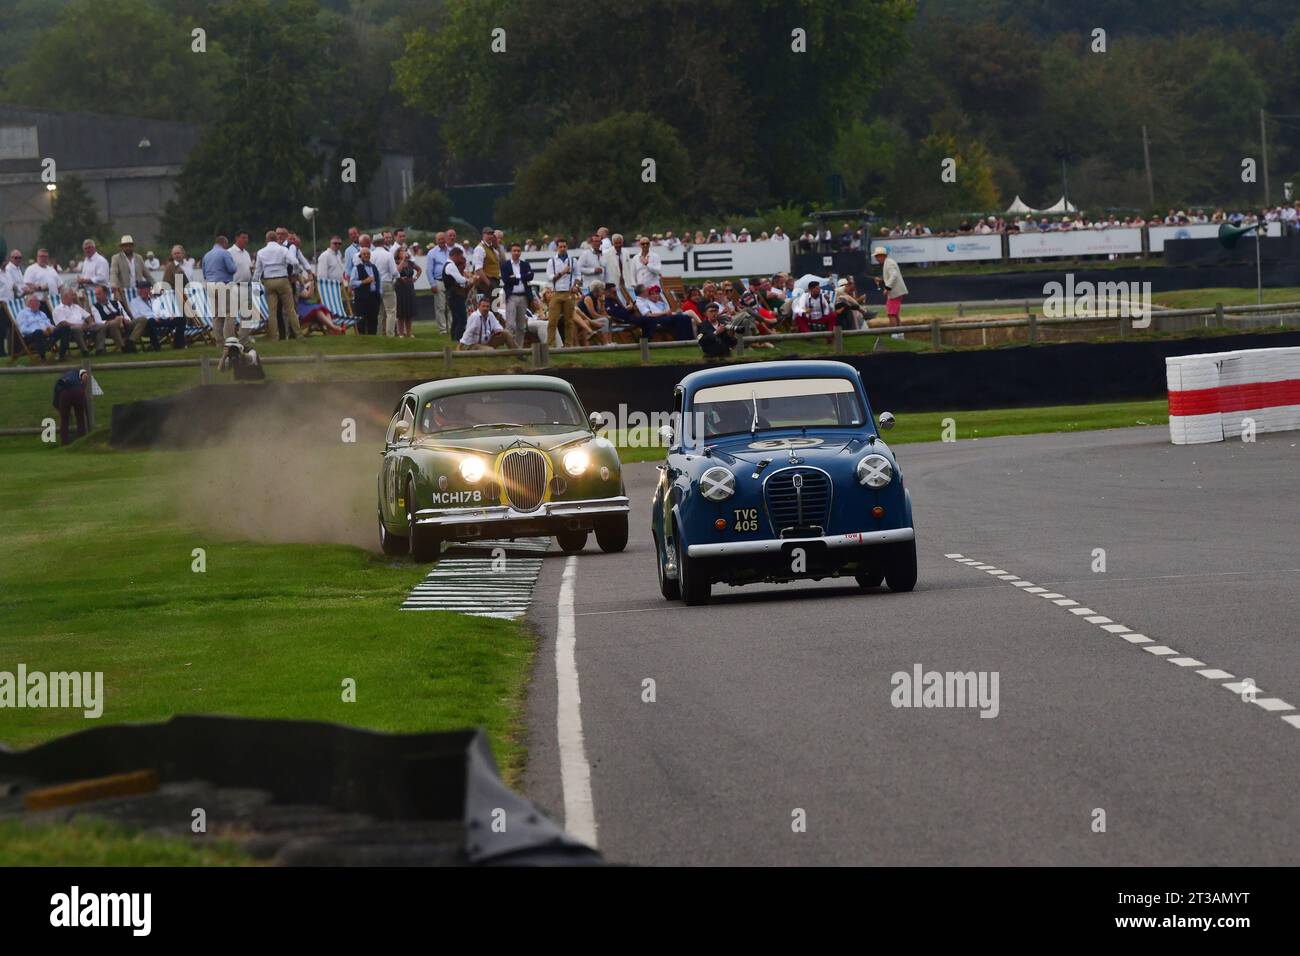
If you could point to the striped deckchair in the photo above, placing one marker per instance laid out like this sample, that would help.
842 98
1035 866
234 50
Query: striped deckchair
199 325
16 344
330 292
260 323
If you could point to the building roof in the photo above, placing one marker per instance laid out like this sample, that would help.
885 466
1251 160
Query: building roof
95 140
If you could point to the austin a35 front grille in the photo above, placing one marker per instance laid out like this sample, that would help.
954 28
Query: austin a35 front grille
798 498
523 476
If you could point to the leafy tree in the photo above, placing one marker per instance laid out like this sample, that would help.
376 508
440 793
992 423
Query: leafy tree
74 218
756 124
117 56
569 185
255 166
425 208
919 188
864 155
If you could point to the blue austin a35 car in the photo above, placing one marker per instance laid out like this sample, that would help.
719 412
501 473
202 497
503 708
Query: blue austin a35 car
775 472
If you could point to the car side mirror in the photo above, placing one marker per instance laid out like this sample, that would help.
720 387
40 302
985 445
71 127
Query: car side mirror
886 421
597 421
402 431
667 435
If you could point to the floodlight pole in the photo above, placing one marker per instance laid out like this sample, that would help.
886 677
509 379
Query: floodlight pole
1259 280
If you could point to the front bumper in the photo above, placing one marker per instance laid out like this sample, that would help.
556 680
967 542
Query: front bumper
853 539
503 520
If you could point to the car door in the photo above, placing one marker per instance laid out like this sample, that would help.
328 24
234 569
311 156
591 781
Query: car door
394 453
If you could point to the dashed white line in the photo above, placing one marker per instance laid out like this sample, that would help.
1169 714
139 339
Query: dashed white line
1246 689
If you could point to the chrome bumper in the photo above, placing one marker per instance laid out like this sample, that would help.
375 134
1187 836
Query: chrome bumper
853 539
547 509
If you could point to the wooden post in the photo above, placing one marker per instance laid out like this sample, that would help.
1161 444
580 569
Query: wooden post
961 313
740 346
645 350
1033 328
446 358
205 371
837 337
90 399
320 366
1027 312
544 349
936 335
1218 314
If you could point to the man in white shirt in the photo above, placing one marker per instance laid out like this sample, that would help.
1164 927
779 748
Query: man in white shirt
383 261
618 273
329 265
647 269
12 279
94 267
605 242
272 270
562 270
890 281
484 330
69 315
813 308
590 267
42 279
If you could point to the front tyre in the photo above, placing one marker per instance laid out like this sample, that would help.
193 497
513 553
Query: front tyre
667 586
692 580
900 571
571 542
611 534
391 544
425 545
871 579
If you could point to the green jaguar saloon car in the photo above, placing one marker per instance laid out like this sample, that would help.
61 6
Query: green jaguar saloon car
497 457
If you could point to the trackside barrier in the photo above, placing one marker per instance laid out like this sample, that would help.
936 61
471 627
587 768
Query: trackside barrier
1218 395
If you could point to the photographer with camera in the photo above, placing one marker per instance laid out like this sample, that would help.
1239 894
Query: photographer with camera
716 337
242 361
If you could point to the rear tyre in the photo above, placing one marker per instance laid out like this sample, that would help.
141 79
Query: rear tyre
611 534
900 572
391 544
667 586
425 545
692 580
871 579
571 542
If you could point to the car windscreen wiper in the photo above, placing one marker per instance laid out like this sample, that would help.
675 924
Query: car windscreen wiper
753 426
498 425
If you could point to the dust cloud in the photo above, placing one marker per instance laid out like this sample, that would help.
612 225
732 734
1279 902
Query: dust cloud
282 472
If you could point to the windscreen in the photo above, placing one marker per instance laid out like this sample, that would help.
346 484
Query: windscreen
506 408
782 403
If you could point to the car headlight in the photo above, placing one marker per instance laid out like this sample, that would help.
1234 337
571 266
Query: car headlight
472 470
875 471
577 462
718 484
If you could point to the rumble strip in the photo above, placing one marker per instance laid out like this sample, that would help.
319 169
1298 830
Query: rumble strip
482 579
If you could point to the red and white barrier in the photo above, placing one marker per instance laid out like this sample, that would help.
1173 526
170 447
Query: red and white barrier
1212 395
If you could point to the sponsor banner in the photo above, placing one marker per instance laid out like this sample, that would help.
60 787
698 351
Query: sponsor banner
1075 242
941 248
718 260
1159 235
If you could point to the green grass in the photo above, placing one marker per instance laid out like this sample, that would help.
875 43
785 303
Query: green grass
1201 298
89 842
95 575
966 425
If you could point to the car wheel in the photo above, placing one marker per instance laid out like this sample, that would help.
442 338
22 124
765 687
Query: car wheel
571 542
390 543
692 582
611 534
425 545
667 586
900 572
871 579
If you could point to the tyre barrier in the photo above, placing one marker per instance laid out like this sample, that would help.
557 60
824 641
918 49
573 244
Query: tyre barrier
1218 395
322 794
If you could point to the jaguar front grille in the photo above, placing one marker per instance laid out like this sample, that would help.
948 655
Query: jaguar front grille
798 498
523 476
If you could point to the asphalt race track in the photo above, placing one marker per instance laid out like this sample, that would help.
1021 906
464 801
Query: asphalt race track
778 699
